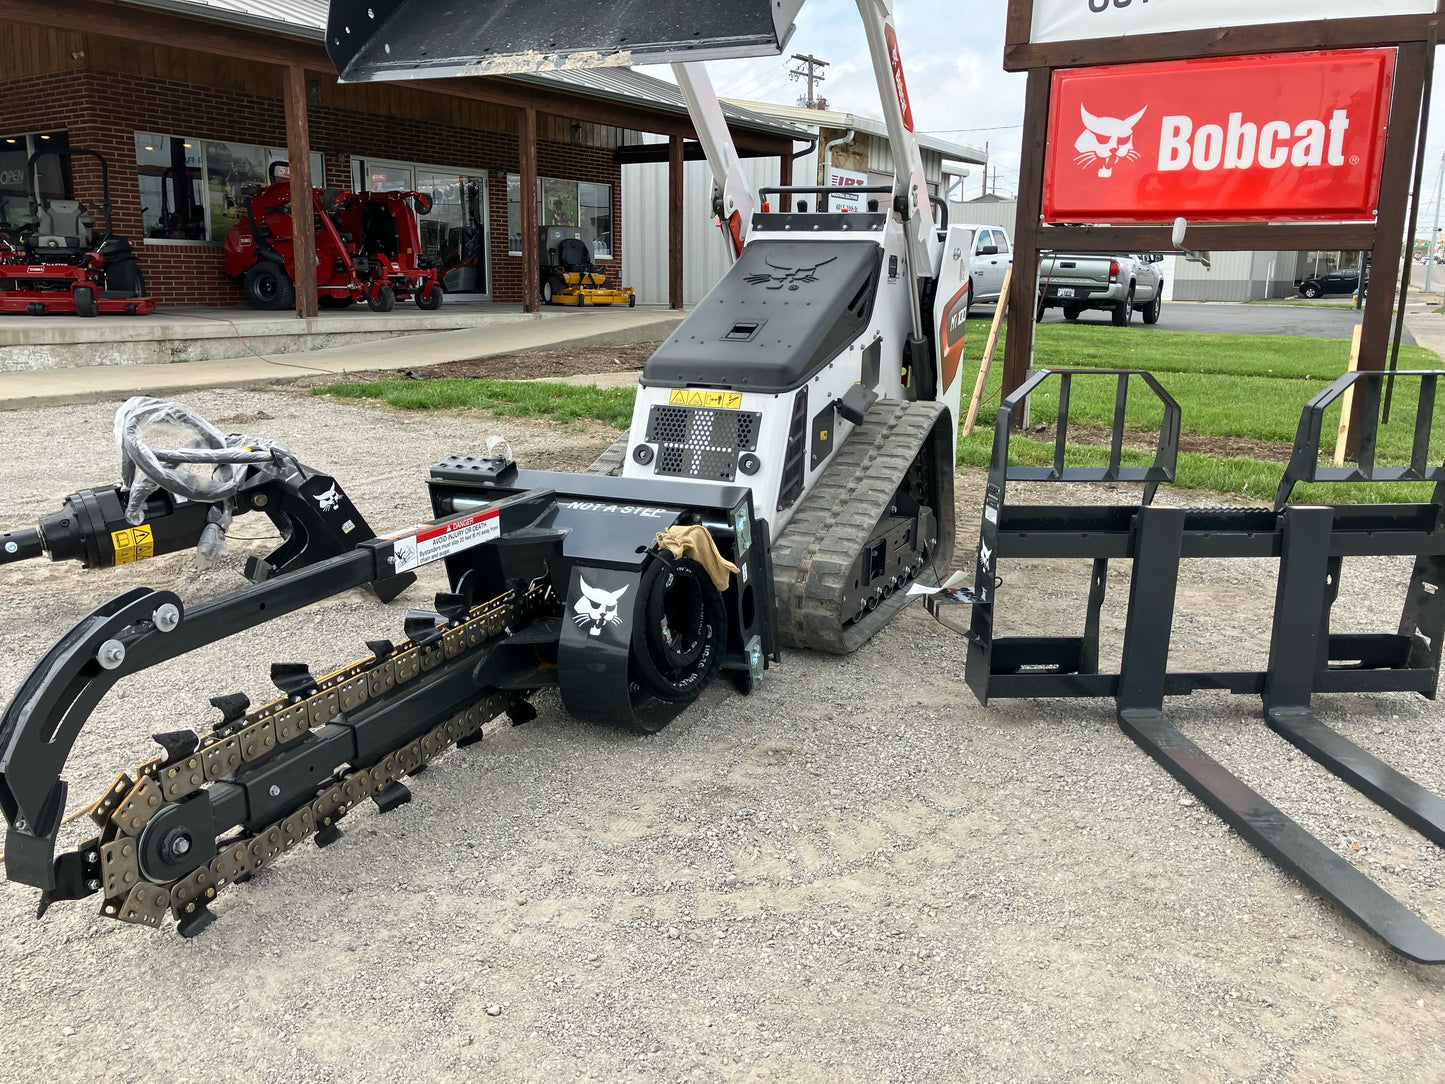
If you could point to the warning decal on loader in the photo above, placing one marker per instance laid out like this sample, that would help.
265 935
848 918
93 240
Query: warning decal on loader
133 544
434 543
724 400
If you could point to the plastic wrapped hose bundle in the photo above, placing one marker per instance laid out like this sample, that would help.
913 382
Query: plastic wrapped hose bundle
162 443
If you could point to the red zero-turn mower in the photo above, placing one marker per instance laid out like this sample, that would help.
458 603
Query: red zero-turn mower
56 262
368 248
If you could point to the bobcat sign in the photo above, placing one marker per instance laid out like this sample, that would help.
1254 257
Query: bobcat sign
1284 138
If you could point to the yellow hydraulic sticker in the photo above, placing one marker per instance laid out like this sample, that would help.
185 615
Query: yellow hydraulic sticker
133 544
725 400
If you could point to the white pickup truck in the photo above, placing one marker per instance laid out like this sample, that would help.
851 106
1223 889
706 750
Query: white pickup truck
992 257
1118 284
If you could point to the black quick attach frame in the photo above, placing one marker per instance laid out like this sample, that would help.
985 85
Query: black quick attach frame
1305 657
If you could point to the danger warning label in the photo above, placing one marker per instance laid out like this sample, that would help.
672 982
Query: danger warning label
133 544
433 543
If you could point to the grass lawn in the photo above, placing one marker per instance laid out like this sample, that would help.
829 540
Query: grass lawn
517 398
1249 386
1227 386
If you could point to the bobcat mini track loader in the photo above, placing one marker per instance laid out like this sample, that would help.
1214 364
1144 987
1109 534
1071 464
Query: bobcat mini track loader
822 372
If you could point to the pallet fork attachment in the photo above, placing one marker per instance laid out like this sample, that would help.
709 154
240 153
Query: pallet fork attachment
1305 657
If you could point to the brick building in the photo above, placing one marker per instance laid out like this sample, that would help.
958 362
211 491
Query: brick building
190 102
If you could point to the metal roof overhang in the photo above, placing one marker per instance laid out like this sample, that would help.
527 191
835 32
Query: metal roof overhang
291 32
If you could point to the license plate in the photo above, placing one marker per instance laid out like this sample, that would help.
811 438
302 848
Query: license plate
1066 291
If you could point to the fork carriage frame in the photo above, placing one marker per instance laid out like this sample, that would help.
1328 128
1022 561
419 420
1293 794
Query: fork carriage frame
1305 657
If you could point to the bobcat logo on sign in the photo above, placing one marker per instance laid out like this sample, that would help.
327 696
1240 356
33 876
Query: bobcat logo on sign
1106 141
791 277
597 609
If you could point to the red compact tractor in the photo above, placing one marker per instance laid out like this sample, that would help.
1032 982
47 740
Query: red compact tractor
56 261
368 249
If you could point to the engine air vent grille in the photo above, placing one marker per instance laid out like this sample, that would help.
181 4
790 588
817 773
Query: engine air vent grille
701 442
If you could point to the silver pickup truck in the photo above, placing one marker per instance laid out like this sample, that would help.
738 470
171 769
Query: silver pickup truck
1117 284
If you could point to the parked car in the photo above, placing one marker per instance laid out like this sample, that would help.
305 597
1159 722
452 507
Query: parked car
1116 284
992 257
1346 280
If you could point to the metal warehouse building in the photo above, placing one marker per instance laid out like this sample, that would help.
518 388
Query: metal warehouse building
191 101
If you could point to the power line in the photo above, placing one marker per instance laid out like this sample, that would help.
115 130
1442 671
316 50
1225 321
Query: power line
757 79
954 131
769 82
762 93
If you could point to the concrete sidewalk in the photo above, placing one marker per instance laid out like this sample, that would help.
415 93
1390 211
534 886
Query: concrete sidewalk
101 383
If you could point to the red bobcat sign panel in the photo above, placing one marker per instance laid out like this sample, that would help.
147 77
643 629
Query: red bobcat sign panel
1280 138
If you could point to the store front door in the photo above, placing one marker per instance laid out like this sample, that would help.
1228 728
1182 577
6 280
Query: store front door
454 236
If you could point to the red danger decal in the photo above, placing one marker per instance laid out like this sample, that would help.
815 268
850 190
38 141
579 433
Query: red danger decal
896 60
434 542
1279 138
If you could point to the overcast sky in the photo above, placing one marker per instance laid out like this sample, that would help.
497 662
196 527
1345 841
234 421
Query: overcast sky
953 56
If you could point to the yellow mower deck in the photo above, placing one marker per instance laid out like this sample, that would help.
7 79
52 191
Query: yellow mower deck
588 289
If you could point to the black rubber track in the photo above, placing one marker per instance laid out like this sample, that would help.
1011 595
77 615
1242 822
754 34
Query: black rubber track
610 461
814 555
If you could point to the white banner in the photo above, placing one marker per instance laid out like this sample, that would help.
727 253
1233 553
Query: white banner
846 178
1073 20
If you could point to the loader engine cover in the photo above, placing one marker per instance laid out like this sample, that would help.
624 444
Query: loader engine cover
782 312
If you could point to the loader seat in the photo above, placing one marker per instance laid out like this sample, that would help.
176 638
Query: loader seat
64 224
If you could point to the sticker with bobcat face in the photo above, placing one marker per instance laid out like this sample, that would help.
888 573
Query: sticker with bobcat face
596 608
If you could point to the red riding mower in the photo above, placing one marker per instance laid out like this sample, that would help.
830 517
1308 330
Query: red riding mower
55 262
368 249
569 275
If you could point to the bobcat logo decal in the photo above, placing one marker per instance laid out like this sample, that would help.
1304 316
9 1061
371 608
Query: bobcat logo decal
597 608
1106 141
791 277
329 501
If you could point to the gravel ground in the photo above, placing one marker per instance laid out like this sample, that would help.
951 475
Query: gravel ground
857 873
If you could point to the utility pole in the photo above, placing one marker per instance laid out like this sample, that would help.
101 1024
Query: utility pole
812 71
1430 252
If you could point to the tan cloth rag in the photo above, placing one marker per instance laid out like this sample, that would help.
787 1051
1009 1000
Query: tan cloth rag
697 543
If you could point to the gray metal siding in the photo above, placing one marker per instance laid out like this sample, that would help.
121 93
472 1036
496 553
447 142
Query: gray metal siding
645 227
1003 214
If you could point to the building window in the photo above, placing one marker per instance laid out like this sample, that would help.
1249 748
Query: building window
196 190
172 207
594 203
52 174
563 203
